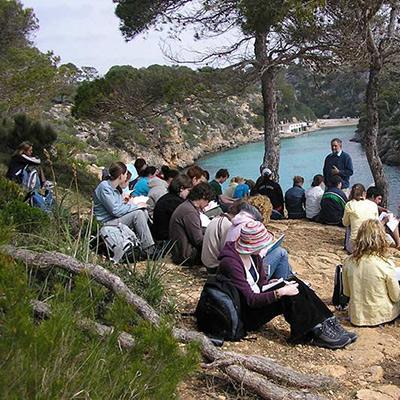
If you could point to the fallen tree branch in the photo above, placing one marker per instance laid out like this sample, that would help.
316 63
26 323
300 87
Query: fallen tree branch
249 371
48 260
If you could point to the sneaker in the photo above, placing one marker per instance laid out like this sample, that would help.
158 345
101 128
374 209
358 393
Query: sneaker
48 185
339 328
326 336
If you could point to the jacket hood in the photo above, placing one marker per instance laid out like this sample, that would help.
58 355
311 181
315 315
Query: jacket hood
228 251
242 218
156 181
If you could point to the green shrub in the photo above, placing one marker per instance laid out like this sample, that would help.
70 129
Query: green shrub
55 359
25 218
9 191
27 129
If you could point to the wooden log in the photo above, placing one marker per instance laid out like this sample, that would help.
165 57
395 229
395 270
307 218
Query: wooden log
250 371
101 275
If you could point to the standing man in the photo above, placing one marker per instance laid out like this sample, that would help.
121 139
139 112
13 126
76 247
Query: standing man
338 163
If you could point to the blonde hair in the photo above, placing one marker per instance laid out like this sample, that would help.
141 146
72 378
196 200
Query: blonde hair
371 240
236 179
263 204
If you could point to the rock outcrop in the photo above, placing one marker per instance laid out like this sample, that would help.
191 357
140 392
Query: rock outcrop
179 144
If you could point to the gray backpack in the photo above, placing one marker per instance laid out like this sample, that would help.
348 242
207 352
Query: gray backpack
120 241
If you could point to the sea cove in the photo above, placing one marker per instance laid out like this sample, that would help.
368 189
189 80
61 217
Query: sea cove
303 155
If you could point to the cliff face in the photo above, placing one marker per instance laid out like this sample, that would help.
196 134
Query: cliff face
178 139
388 146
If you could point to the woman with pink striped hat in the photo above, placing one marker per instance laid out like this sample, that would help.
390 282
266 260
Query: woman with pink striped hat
309 318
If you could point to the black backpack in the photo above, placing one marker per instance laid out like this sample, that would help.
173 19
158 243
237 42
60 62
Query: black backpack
218 312
339 300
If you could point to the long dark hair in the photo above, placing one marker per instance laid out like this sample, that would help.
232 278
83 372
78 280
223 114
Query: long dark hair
317 180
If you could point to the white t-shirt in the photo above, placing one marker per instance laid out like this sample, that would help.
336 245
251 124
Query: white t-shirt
313 201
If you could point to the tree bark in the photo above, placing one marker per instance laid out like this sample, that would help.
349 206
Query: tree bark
253 372
268 74
372 130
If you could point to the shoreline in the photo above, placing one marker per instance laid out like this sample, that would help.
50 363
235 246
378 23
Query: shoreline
317 126
323 124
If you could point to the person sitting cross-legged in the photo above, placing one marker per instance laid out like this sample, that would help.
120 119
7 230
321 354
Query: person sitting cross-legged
310 319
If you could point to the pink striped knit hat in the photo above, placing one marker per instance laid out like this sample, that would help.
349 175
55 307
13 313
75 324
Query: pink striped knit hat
254 236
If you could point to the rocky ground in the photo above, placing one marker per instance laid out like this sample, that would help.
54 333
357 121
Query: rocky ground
369 369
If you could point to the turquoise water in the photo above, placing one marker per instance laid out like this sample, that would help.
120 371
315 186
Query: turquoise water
303 155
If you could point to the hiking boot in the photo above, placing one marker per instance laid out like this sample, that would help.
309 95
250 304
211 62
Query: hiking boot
339 328
326 335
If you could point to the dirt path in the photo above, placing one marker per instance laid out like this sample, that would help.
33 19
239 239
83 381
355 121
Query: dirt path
368 369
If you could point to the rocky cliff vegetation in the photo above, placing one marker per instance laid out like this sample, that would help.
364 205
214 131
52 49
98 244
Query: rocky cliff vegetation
177 138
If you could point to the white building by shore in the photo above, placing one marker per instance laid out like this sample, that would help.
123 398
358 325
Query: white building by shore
294 127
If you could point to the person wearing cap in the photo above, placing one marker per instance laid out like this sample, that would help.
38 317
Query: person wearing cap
309 318
333 203
267 187
338 163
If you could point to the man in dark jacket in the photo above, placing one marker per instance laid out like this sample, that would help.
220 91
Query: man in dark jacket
333 203
338 163
267 187
295 199
185 230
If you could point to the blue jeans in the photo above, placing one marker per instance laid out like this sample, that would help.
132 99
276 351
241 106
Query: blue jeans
278 259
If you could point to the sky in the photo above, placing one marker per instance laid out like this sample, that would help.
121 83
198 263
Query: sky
86 33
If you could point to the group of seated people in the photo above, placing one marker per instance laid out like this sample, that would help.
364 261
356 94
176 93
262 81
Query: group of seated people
235 243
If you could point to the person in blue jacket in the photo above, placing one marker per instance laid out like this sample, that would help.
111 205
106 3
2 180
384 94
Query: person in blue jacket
338 163
295 199
110 208
141 188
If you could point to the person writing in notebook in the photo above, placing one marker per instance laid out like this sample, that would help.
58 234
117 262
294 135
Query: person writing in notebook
309 318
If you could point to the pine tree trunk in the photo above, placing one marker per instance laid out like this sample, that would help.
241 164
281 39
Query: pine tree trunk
268 75
372 129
